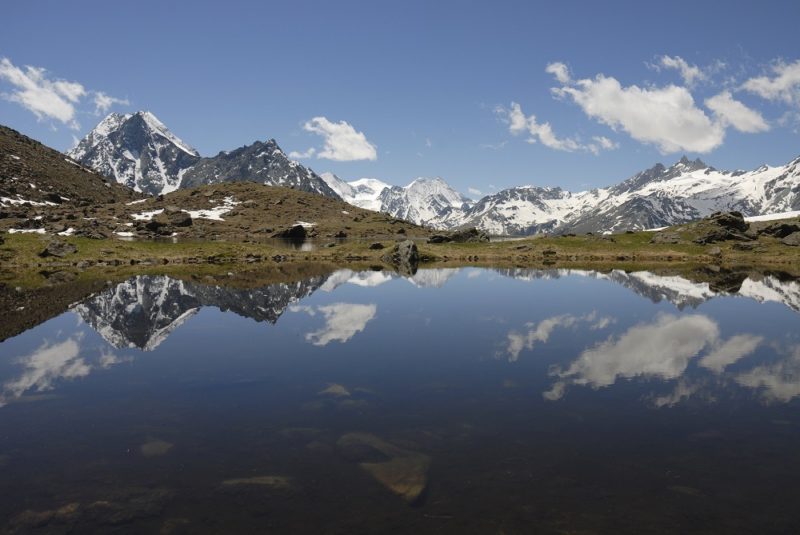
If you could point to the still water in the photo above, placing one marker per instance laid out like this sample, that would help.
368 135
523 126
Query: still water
454 401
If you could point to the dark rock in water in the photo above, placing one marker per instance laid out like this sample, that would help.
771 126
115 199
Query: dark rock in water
377 246
58 248
780 230
729 220
666 237
792 239
404 256
296 234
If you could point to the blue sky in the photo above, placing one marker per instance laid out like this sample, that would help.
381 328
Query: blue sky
405 89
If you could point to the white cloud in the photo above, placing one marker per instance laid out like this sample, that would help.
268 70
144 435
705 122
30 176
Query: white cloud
519 123
302 155
540 333
665 117
342 142
560 71
732 112
689 73
103 102
428 142
342 321
45 98
783 86
727 353
46 365
659 349
49 98
779 382
474 192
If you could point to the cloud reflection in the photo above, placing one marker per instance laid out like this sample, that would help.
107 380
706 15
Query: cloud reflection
342 321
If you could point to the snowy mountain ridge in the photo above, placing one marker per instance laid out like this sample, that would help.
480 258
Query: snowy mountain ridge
138 150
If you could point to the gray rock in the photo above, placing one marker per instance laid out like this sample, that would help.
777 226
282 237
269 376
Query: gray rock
666 237
404 256
58 248
715 251
792 239
296 234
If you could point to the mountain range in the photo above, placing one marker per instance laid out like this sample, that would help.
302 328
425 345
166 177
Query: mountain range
139 151
144 310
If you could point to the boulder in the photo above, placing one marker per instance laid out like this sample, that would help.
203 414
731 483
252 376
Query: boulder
404 256
792 239
780 229
297 234
439 238
470 235
666 237
58 248
377 246
729 220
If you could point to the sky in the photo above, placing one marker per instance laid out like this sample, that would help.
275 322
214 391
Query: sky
486 95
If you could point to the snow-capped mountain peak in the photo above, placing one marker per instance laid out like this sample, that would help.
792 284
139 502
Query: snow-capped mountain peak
137 150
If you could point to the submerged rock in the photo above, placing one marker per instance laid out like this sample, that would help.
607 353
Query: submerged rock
403 472
155 448
335 390
273 482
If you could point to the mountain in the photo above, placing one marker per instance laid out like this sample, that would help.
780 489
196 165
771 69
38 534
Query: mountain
264 163
364 192
144 310
137 150
33 175
425 201
678 290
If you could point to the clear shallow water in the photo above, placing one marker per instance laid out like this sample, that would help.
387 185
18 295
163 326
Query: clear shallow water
464 401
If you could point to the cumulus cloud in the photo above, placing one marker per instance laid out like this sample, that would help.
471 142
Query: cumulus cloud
103 102
779 382
46 365
665 117
540 332
732 112
783 85
302 155
475 192
519 123
47 97
661 349
689 73
560 71
342 321
342 142
731 351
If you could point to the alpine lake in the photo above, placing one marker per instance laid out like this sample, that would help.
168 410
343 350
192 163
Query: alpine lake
454 400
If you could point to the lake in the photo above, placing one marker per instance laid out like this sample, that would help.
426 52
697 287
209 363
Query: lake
454 401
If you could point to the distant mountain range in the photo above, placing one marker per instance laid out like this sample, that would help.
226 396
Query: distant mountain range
144 310
139 151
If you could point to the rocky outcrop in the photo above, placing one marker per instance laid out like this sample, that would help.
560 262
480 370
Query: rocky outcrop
404 256
58 248
470 235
